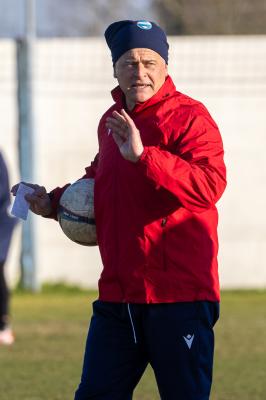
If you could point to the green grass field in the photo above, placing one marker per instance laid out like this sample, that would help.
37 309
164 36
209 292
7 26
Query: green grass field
51 327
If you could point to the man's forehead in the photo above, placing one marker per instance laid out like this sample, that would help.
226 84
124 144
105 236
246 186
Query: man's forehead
141 53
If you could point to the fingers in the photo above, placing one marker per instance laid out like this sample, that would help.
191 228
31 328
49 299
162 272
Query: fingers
38 200
127 118
118 139
38 194
123 119
39 191
14 188
119 117
117 127
125 134
120 123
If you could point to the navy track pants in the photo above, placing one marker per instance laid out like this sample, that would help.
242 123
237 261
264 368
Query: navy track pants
176 339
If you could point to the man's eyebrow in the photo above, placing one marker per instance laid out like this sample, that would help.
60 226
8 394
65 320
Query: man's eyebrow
142 60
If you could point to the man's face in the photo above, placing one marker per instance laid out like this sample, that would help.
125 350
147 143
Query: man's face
140 74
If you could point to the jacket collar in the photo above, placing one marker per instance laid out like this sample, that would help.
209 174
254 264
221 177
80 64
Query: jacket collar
167 89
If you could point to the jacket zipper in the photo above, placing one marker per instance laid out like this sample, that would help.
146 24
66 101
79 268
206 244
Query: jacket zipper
163 225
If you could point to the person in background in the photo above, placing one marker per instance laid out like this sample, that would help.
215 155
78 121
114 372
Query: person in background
158 175
7 224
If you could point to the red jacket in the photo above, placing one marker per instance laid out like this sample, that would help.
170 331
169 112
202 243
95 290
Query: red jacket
156 219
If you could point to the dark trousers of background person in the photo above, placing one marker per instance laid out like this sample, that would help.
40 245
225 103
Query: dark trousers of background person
4 297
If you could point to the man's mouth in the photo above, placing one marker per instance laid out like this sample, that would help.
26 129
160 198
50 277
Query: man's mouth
140 85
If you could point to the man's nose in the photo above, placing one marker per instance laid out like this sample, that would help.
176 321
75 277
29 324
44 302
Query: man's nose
140 70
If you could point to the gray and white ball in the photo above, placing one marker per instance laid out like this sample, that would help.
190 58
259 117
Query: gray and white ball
76 212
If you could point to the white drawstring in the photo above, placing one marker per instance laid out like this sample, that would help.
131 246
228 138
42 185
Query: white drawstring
132 324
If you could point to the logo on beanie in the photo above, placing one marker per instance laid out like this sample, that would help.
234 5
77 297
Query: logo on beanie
144 25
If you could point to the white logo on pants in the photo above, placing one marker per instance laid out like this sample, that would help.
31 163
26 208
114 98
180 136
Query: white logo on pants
189 340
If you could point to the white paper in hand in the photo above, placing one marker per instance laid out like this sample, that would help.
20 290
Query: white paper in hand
20 207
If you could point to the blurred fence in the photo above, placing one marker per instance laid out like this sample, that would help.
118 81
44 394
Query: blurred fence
72 83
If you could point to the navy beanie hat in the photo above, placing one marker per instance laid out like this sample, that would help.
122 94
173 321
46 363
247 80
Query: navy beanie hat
122 36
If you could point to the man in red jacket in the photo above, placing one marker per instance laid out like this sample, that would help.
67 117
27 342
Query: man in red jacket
158 174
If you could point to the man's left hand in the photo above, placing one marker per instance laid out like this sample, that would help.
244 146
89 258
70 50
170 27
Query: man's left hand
126 135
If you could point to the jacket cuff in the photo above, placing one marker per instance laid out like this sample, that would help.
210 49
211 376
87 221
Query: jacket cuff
143 154
144 165
54 196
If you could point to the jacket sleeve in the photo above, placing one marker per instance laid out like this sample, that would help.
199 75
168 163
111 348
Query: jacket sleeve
56 193
193 171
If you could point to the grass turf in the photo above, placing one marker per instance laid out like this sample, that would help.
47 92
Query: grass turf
51 327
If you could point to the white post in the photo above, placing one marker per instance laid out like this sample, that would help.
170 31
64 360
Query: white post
25 59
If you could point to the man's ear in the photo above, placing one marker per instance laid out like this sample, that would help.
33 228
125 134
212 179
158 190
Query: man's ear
166 70
114 72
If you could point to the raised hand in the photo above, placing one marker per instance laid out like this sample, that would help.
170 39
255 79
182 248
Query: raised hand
126 135
39 200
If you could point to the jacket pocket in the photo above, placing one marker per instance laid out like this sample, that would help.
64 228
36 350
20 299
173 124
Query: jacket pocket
155 244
